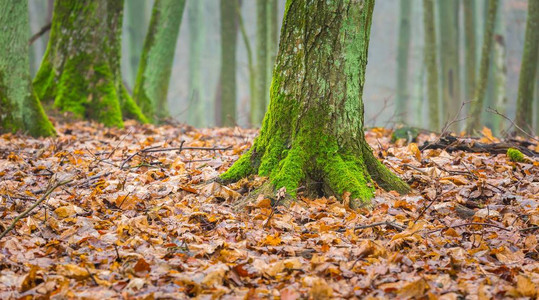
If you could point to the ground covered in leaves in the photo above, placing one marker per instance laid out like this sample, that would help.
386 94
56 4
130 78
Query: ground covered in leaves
138 216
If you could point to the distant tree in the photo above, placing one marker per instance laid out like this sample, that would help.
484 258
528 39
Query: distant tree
474 122
527 80
151 86
80 71
448 12
273 39
259 103
403 50
229 35
136 20
470 47
312 134
197 106
431 64
250 63
19 107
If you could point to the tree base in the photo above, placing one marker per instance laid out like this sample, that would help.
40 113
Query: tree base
321 171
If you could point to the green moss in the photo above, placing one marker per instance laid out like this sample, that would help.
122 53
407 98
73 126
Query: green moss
291 171
515 155
35 120
240 169
130 109
106 108
43 83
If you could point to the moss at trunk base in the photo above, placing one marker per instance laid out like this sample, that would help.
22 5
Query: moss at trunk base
312 135
80 71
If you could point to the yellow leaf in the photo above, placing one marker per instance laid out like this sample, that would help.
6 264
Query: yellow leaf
415 151
525 286
73 271
65 211
272 240
413 289
320 290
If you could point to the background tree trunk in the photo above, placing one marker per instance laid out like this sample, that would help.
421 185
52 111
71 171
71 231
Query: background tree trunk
80 71
196 40
527 81
474 122
313 130
258 105
136 18
153 78
431 64
229 34
470 48
448 12
19 107
403 103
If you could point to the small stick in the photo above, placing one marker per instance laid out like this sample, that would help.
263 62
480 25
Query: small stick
385 223
26 212
470 224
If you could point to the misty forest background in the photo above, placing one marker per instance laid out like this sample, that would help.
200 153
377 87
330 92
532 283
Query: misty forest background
194 83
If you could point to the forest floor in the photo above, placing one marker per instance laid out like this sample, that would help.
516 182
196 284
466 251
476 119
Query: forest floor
133 217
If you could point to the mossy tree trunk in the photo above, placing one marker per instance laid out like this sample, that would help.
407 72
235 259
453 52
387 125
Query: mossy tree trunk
80 71
136 19
403 96
229 33
431 64
313 130
470 53
259 103
19 107
448 12
527 79
474 122
151 86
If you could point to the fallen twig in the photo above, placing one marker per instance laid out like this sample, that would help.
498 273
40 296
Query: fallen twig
27 211
385 223
470 224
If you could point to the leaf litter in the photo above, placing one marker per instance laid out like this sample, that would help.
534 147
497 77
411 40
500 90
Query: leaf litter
136 223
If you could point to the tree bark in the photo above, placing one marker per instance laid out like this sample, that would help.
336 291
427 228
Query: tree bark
19 107
137 20
80 71
259 103
474 122
229 34
155 67
431 64
403 96
313 130
196 38
448 12
530 55
470 53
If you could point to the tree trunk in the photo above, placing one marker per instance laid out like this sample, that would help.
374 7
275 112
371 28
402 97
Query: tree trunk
431 64
403 50
153 77
137 20
313 130
229 34
259 103
196 38
19 107
449 58
272 41
80 71
474 122
527 82
470 53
